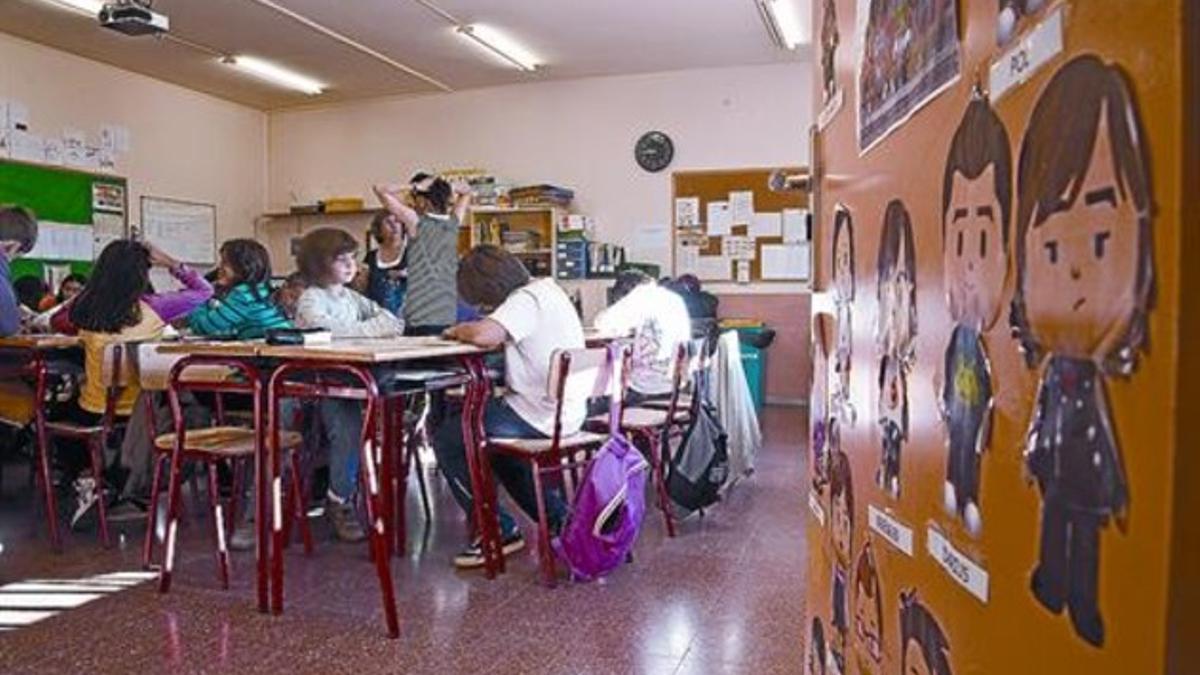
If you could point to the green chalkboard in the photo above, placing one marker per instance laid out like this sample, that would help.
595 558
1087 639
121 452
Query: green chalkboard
55 194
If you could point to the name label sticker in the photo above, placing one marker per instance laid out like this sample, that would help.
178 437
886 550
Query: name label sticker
896 533
1023 59
962 569
814 505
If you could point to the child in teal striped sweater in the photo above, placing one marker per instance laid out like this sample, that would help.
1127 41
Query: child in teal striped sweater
243 307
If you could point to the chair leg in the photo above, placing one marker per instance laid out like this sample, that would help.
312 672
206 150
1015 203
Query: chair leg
545 553
94 449
414 454
152 511
193 483
235 497
658 469
43 473
218 526
298 505
174 487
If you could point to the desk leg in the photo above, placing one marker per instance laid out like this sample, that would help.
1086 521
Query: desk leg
487 525
275 476
377 508
261 495
385 464
43 450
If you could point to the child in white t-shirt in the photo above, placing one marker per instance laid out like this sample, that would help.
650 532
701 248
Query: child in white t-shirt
531 318
659 322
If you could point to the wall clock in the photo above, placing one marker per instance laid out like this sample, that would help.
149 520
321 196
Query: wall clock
654 151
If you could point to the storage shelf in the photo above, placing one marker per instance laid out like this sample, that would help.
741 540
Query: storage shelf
322 214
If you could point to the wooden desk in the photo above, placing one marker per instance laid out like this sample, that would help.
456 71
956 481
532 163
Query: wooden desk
323 371
30 352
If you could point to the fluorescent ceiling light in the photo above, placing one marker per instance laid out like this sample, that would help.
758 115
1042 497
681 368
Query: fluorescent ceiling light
500 44
785 22
90 7
265 70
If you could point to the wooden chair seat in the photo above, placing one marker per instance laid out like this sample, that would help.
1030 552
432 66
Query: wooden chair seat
534 446
224 441
640 419
64 428
685 403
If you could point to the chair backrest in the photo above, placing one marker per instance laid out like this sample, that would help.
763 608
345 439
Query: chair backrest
119 367
583 373
154 368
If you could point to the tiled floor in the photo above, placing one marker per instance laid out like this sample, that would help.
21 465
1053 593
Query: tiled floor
726 596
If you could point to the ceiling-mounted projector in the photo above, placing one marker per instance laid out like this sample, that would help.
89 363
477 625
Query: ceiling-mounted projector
133 18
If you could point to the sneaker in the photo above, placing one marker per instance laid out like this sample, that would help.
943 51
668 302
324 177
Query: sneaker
471 557
244 537
345 521
85 499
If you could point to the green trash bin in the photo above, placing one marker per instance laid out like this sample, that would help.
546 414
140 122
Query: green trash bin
754 362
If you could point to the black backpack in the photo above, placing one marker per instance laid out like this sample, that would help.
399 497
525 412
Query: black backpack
701 464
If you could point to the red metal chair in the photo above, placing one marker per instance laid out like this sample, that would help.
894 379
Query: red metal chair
651 427
209 447
575 374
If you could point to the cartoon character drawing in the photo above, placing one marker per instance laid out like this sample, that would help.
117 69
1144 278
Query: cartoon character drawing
868 610
819 413
924 649
1085 280
816 649
841 496
843 298
1011 14
895 332
976 211
829 44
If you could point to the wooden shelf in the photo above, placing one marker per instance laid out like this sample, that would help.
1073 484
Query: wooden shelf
332 214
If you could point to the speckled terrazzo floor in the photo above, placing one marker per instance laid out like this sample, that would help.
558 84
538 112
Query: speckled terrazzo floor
726 596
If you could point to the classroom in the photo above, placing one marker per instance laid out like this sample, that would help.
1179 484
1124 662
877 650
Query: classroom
825 337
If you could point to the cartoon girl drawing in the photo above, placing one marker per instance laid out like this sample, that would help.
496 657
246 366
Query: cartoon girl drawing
868 611
816 649
895 331
843 298
923 646
829 45
976 211
841 495
819 413
1085 282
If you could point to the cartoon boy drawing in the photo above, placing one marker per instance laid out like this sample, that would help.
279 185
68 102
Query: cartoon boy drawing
843 298
1085 279
829 45
816 649
868 611
923 646
976 208
820 406
895 331
841 495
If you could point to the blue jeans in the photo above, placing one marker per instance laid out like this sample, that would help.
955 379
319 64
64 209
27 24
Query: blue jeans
499 421
342 423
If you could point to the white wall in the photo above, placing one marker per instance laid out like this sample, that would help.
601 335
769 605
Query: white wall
185 144
578 133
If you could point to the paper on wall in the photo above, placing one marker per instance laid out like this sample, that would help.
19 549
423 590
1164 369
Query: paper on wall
743 271
53 151
55 275
713 268
114 139
74 144
766 225
108 197
741 205
59 241
687 259
719 220
106 228
687 211
26 147
738 248
18 116
795 226
785 262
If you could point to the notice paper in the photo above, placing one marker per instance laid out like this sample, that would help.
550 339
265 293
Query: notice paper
795 226
719 222
687 259
26 147
106 228
782 262
766 225
687 212
743 271
713 268
738 248
741 206
61 241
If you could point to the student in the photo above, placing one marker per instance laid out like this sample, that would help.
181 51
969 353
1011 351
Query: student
660 322
432 223
531 319
113 308
18 234
32 291
243 307
326 261
385 277
287 296
70 287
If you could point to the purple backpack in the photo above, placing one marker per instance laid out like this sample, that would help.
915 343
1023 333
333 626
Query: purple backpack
607 514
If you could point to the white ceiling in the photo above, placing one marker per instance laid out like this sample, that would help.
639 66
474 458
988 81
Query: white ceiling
574 38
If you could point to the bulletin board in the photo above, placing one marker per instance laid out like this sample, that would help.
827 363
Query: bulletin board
716 186
60 198
184 229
